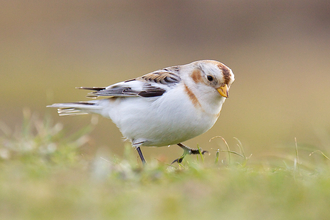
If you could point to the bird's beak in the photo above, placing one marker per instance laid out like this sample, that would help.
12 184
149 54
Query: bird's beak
223 90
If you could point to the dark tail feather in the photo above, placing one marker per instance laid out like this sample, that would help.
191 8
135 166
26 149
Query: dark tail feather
92 94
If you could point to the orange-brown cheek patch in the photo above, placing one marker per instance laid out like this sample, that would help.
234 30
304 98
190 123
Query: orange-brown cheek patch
192 96
225 72
197 76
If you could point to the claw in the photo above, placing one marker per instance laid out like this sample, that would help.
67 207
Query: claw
204 152
179 160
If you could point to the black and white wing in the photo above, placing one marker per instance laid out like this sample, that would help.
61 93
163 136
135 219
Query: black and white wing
149 85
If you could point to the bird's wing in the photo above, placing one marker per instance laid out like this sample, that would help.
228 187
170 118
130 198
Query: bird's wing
149 85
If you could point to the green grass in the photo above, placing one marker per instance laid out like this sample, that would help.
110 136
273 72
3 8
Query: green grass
44 175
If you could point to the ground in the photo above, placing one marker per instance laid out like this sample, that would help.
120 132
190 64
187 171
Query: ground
44 175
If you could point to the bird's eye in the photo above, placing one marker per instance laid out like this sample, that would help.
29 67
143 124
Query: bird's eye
210 78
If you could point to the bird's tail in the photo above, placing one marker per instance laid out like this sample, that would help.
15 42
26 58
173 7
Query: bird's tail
77 108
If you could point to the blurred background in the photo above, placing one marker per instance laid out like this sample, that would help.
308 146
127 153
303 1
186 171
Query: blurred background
278 50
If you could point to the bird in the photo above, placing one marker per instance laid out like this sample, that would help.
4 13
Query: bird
161 108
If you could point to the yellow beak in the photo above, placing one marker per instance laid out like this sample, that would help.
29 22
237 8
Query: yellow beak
223 90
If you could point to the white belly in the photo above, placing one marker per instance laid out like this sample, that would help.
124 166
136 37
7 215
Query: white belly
159 121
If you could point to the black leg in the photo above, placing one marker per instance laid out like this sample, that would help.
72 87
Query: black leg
188 150
141 155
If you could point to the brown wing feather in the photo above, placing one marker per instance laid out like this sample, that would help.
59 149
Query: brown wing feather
161 77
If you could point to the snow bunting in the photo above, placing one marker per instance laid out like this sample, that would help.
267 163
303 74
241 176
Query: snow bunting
164 107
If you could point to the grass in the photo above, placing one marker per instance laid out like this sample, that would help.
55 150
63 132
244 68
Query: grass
44 175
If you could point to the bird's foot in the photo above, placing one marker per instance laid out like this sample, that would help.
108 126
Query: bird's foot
198 151
179 160
188 150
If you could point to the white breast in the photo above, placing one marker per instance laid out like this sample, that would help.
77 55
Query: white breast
160 121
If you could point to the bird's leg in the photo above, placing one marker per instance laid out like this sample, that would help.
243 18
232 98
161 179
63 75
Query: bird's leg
137 145
188 150
141 155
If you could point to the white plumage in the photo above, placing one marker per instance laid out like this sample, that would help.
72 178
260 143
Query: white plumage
164 107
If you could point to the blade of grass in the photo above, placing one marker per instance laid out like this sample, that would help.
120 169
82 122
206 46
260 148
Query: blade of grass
321 152
296 160
240 146
200 153
217 156
228 149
